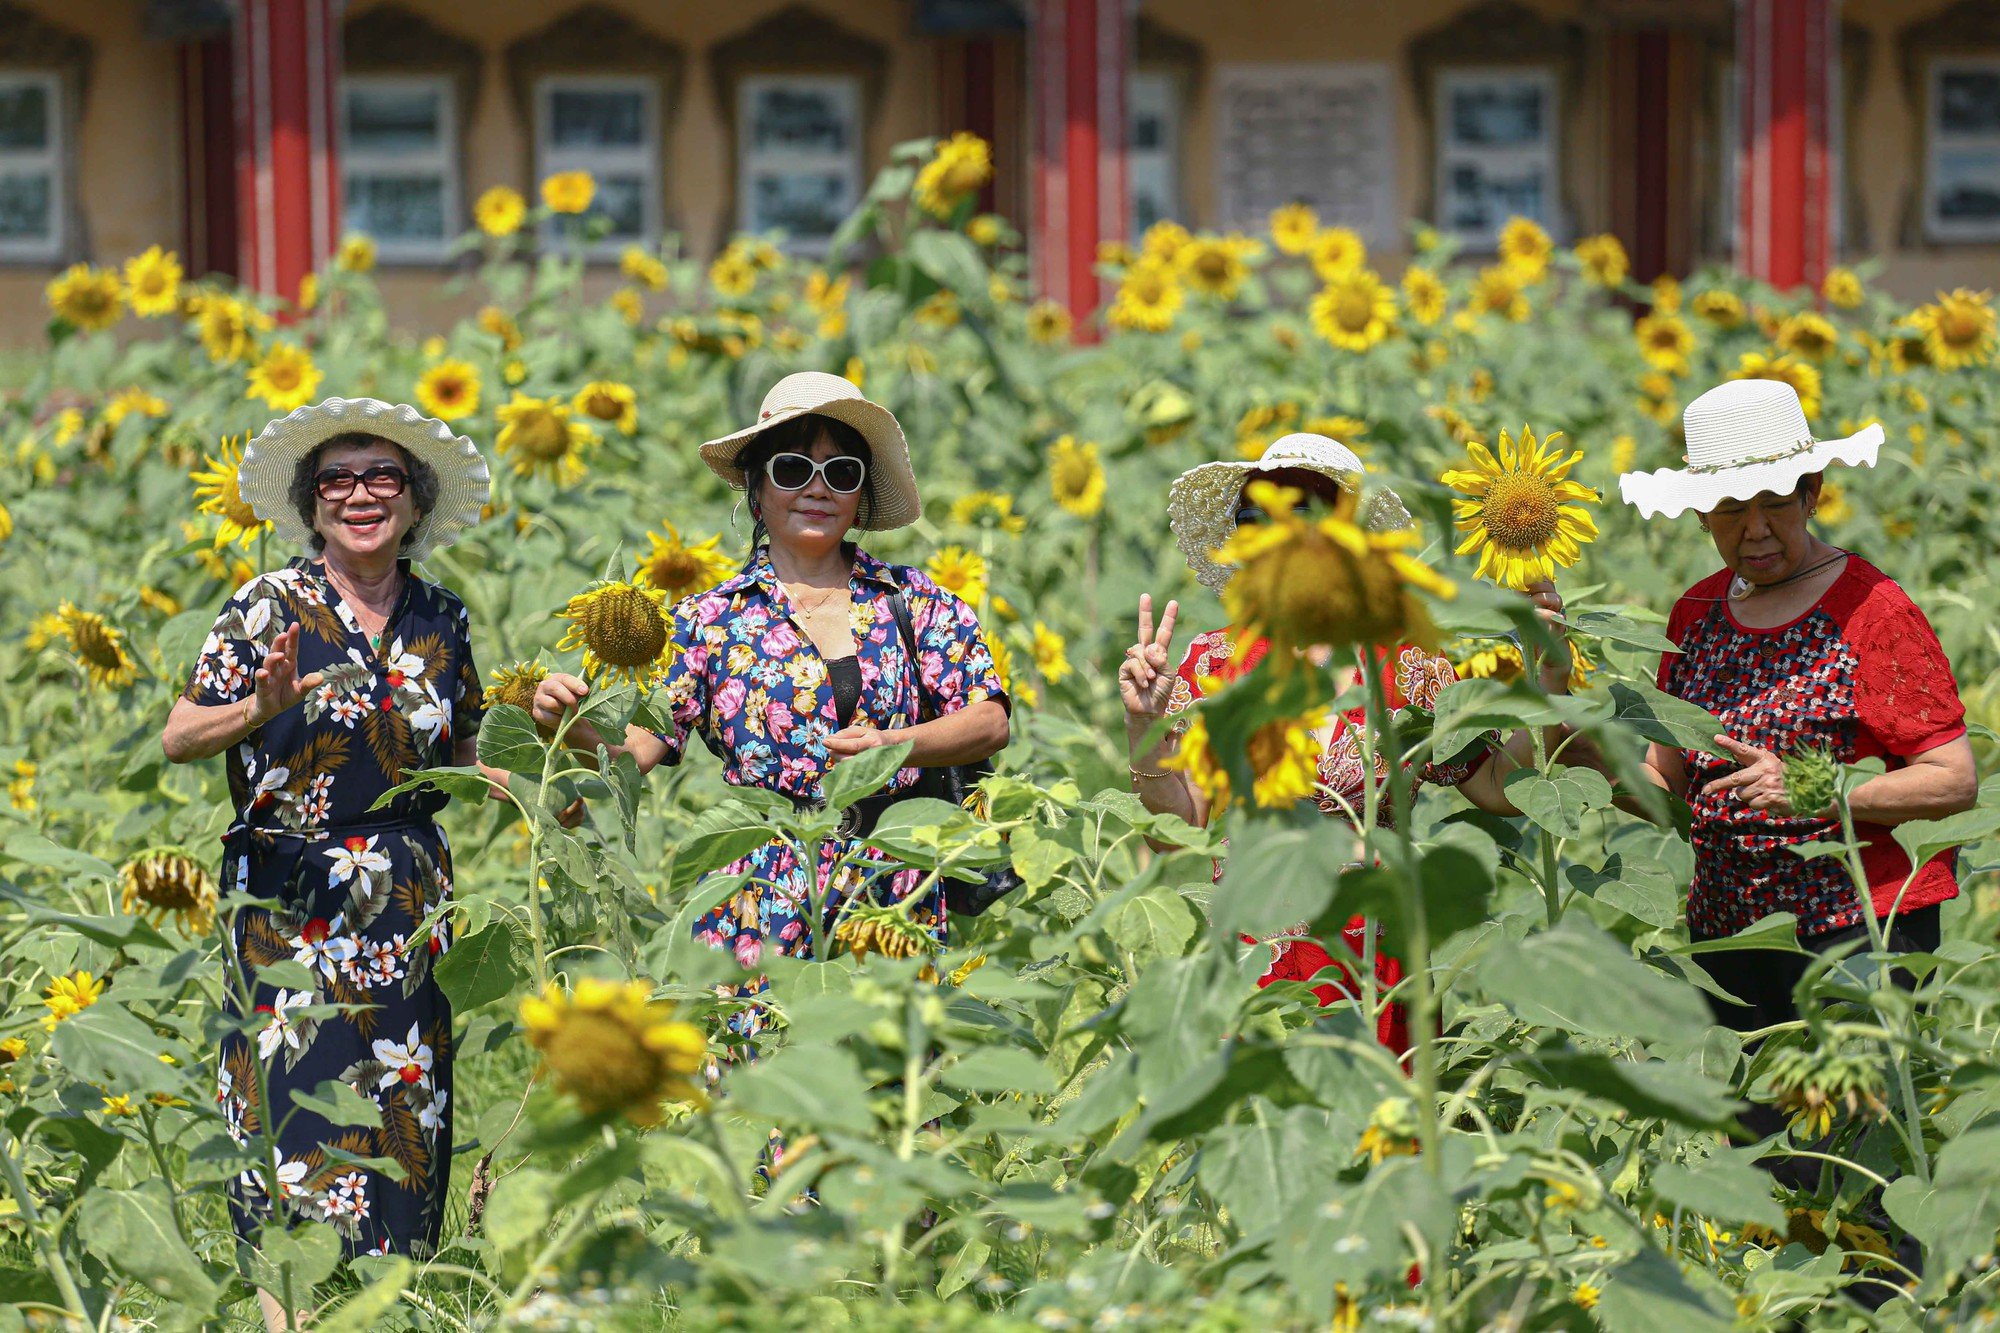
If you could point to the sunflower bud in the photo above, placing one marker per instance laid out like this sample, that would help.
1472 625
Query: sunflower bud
867 928
1812 779
1813 1086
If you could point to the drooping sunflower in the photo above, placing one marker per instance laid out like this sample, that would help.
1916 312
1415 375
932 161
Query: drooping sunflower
1049 323
1337 250
1216 265
988 509
1293 228
733 274
492 319
1803 378
229 328
449 390
285 378
616 1049
515 685
959 571
1525 247
1524 516
87 297
99 646
158 885
1148 298
1665 341
500 211
1354 311
69 995
1076 477
569 191
539 436
1603 259
643 267
219 493
1842 287
609 401
1424 295
1810 334
356 253
153 282
679 569
960 166
1958 328
1497 291
1723 309
622 627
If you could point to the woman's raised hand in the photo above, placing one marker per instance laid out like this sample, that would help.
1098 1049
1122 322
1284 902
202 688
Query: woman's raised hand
1549 606
558 693
279 685
1146 676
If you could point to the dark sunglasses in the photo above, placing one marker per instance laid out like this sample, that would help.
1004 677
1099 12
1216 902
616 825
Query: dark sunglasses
1250 512
384 481
843 473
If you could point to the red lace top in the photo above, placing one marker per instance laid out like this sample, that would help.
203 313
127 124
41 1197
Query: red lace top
1861 672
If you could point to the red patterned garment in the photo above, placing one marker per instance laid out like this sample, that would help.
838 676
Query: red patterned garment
1419 677
1861 673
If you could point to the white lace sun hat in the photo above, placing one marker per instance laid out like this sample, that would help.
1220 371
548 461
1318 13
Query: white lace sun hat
1201 506
265 478
892 484
1744 438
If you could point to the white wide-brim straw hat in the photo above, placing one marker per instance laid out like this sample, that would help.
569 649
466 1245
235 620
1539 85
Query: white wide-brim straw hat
265 477
1201 506
892 484
1744 438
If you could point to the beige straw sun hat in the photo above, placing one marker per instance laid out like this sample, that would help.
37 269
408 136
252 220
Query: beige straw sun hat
265 477
1744 438
892 485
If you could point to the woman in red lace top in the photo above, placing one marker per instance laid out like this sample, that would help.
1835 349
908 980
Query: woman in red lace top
1796 644
1205 506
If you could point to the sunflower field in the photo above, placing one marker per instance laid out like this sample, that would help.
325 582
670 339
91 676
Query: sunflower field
1083 1113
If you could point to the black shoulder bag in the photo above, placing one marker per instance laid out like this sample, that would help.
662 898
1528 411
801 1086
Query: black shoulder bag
956 784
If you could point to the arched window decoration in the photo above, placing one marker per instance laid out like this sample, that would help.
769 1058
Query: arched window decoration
407 93
44 79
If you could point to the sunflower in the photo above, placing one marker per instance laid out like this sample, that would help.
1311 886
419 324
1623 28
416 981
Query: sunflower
1310 581
1214 265
1602 259
1293 228
500 211
866 927
162 884
21 785
1497 291
87 298
539 435
1720 308
1164 241
733 275
648 270
1049 323
164 603
1260 425
308 291
1424 295
1076 477
569 191
960 166
629 304
622 628
153 282
6 523
616 1049
1958 328
449 390
1524 517
1525 247
1118 254
1810 334
1487 659
986 230
1196 757
1354 311
219 493
69 995
515 685
1833 505
133 401
1051 653
285 378
1148 298
356 254
940 310
988 509
99 646
492 319
1337 250
1665 341
1803 378
1842 287
959 571
1666 294
1908 350
229 328
1283 755
609 401
680 570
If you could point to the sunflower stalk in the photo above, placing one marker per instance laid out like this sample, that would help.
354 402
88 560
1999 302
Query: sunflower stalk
11 1150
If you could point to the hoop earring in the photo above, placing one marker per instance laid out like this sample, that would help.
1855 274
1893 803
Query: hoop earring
734 510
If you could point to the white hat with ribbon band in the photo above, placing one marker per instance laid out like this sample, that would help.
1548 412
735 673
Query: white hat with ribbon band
892 484
1744 438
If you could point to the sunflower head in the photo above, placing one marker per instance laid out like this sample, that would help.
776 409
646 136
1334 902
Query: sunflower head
643 267
615 1049
162 884
1424 295
1215 265
867 927
229 328
988 509
492 319
1293 228
733 274
960 572
1723 309
1665 341
153 282
356 254
449 390
1497 291
1809 334
1076 477
1336 250
500 211
69 995
1525 247
679 569
539 436
609 401
285 378
569 191
99 646
1842 287
1149 296
1603 259
960 166
87 298
219 493
515 685
1803 378
1354 311
1958 329
1523 515
622 628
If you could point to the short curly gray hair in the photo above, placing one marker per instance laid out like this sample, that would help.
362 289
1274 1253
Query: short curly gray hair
305 498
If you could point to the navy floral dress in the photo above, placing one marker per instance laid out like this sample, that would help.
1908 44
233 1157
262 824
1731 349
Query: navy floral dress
753 685
359 893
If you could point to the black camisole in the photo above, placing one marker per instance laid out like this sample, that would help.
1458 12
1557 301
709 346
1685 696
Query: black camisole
845 673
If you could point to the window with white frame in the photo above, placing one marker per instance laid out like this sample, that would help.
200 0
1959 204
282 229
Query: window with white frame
1152 148
32 188
400 163
1498 150
608 126
1962 150
798 155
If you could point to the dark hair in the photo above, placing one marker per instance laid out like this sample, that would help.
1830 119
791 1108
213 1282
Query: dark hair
798 436
305 496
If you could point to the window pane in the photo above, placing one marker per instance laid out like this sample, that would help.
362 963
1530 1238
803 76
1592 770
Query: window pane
24 206
1497 115
1969 101
1151 178
394 120
590 118
807 205
1479 200
623 200
24 116
800 120
396 208
1966 188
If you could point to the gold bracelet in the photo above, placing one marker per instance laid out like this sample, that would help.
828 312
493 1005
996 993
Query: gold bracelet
249 706
1163 773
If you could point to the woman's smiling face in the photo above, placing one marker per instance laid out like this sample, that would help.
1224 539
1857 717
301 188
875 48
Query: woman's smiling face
815 516
364 527
1765 539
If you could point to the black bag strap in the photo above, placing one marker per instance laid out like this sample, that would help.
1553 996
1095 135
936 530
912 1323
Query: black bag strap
899 607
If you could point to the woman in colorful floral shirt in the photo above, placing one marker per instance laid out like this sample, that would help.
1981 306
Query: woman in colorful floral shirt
797 663
325 683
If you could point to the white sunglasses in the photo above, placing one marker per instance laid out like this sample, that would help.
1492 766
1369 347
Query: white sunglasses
843 473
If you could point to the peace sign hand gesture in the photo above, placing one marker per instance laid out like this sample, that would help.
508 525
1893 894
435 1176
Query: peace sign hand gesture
1146 676
279 685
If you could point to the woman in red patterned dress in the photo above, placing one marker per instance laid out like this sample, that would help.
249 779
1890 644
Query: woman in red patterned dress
1205 506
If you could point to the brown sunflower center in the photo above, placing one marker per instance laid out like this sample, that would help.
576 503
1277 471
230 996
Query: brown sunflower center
602 1061
673 569
541 434
171 883
624 628
1960 325
96 642
1520 512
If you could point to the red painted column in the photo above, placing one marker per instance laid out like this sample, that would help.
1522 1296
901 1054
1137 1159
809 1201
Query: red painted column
1785 87
287 70
1081 57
